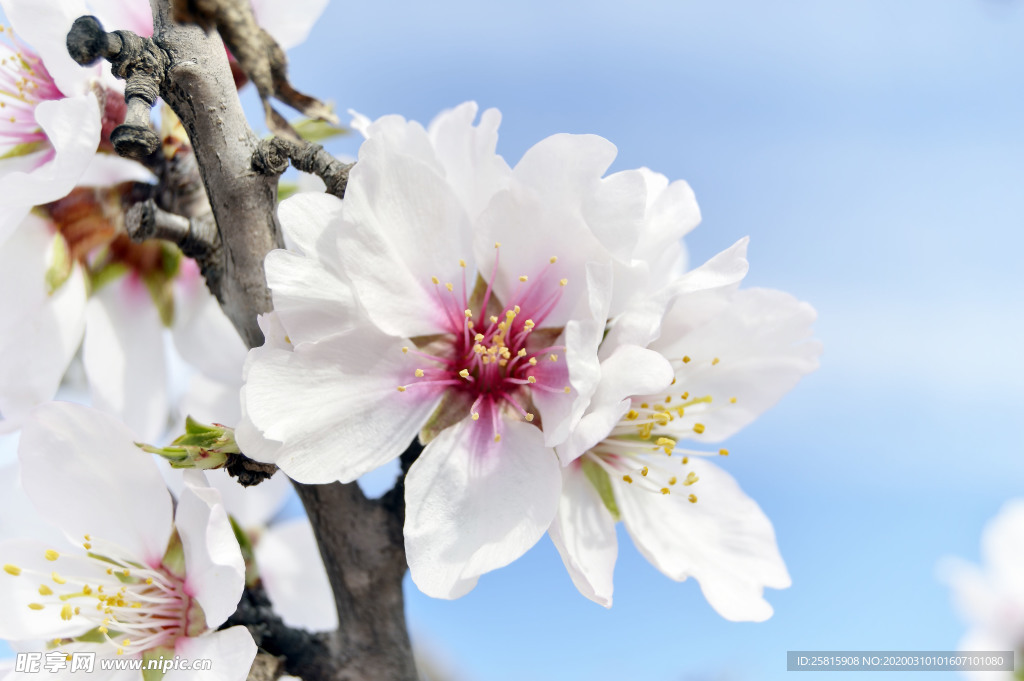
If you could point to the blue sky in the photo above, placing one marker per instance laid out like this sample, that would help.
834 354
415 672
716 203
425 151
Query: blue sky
874 152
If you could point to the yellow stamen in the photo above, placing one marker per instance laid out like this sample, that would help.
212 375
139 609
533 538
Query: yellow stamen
672 480
563 282
405 349
723 452
462 263
67 612
627 478
567 390
435 280
529 418
401 388
732 400
45 590
497 437
692 498
643 471
714 361
51 555
475 416
12 570
664 490
698 428
523 278
419 373
35 606
449 286
464 373
57 578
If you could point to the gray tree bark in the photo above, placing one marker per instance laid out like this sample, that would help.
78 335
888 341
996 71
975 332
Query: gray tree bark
360 540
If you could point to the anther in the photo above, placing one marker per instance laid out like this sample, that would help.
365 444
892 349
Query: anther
405 349
732 400
698 428
664 490
627 478
464 373
497 244
468 313
51 555
435 281
723 452
419 373
12 570
643 471
57 578
529 418
567 390
475 416
714 361
686 359
462 263
401 388
553 357
553 259
531 379
563 282
692 498
523 278
35 606
45 590
449 286
67 612
497 437
691 478
672 480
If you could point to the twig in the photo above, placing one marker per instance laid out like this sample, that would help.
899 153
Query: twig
272 156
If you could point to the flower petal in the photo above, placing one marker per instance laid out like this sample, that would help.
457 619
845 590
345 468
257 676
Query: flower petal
474 505
214 569
289 23
82 471
393 200
251 507
755 350
310 301
16 592
310 223
584 534
335 405
72 126
230 651
39 332
293 574
629 371
106 170
44 25
127 15
203 335
723 540
123 355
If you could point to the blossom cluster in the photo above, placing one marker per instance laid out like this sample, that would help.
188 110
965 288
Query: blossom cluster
537 331
534 334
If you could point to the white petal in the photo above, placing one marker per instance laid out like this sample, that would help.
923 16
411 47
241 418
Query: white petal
467 154
293 575
230 651
19 621
629 371
289 23
203 335
82 470
1003 548
310 223
44 25
106 170
39 333
251 507
473 505
335 406
209 401
760 340
584 534
72 126
672 212
214 569
650 316
392 201
123 354
310 302
128 15
723 540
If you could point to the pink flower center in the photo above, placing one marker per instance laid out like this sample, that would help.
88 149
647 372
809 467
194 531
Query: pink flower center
495 354
24 83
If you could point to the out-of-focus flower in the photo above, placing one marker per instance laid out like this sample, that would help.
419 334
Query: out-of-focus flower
53 113
147 579
69 273
431 302
991 597
692 362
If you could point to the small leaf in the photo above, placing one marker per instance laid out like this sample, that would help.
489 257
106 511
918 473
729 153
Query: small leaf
314 130
598 477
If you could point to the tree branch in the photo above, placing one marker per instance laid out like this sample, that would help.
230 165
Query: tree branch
272 156
360 540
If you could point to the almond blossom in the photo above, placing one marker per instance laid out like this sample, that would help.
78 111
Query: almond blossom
990 597
681 370
138 577
53 112
430 303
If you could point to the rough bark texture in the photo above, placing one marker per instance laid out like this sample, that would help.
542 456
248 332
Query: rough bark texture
360 540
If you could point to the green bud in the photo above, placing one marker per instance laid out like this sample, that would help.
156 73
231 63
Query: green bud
598 477
203 447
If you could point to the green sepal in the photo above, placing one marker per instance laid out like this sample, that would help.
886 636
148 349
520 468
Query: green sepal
316 130
202 446
160 282
252 573
149 673
599 478
60 264
174 557
106 274
23 149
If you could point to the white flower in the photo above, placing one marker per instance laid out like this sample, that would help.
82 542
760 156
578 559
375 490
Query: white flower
432 299
991 597
52 112
694 361
135 292
146 577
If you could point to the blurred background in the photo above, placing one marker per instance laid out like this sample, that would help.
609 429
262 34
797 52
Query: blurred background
874 152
